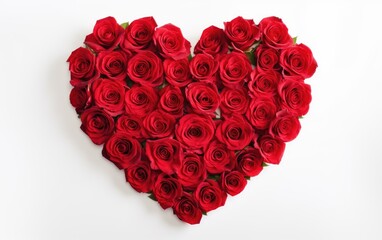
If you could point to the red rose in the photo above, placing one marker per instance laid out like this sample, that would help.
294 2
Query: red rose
267 58
264 83
274 33
209 195
177 72
140 176
186 209
82 67
167 190
271 149
139 34
242 33
79 98
235 132
107 34
146 69
113 65
191 171
171 43
203 67
164 154
285 126
218 158
298 60
234 69
171 101
140 100
123 150
234 100
97 124
249 162
212 42
233 182
261 112
203 97
159 124
295 95
195 131
131 125
109 95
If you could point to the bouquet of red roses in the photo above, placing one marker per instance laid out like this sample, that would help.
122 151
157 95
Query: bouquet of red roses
187 129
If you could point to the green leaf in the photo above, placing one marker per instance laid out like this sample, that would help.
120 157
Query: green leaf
294 40
151 196
190 57
204 213
251 57
300 117
264 164
124 25
248 178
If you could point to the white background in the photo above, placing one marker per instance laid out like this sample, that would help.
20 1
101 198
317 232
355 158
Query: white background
54 183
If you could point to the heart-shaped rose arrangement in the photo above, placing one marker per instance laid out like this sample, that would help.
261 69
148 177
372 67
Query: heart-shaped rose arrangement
187 129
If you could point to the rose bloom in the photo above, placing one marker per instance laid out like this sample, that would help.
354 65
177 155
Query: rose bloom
210 195
97 124
203 67
79 98
233 182
164 154
267 58
82 67
109 95
139 34
191 171
249 162
203 98
235 132
285 126
107 34
186 209
140 100
167 190
271 149
234 69
264 83
195 131
234 100
261 112
274 33
177 72
123 150
241 33
140 176
218 158
171 43
171 101
212 42
298 60
159 124
146 69
113 65
132 125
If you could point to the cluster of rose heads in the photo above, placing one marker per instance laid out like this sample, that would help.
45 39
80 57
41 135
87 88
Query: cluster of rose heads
187 129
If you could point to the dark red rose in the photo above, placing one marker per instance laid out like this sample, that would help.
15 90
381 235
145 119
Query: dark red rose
235 132
82 67
140 176
285 126
195 131
123 150
271 149
249 162
210 195
167 190
187 210
139 34
109 95
233 182
218 158
267 58
261 112
203 97
212 42
203 67
171 43
191 171
164 154
274 33
107 34
234 100
113 65
234 69
171 101
264 83
79 98
298 60
146 69
177 72
159 124
97 124
295 95
242 33
140 100
132 125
